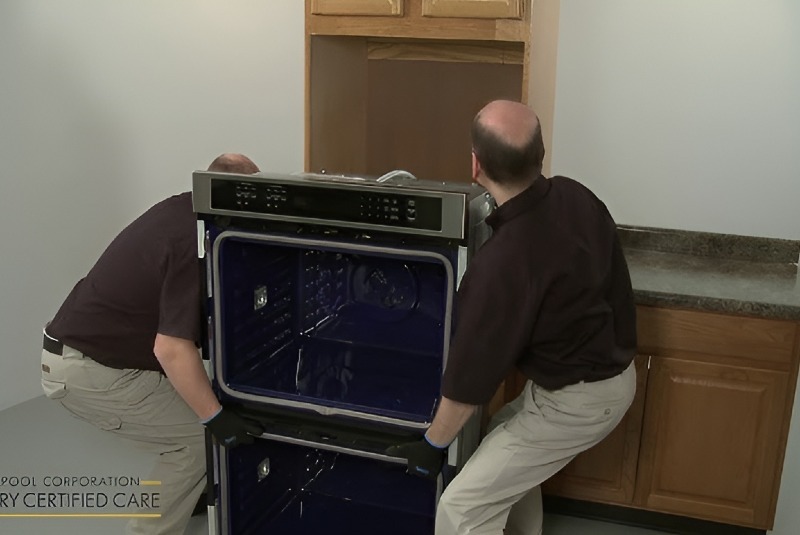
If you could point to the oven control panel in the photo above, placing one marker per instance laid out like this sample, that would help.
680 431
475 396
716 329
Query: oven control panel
370 206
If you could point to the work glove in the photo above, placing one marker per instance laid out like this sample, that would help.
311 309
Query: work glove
231 430
424 458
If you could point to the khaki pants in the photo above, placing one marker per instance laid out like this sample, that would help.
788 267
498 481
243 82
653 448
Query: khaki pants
534 437
143 406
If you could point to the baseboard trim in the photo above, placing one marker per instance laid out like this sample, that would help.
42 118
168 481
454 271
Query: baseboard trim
643 519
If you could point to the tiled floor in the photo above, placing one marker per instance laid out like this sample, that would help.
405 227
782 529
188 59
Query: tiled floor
38 438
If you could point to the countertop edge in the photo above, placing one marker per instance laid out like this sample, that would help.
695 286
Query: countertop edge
732 307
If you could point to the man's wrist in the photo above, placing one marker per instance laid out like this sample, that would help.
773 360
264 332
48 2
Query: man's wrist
205 421
434 444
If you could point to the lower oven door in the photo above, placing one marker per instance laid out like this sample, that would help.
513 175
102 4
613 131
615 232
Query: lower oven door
285 486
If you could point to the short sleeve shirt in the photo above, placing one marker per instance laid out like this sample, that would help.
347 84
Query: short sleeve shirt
146 282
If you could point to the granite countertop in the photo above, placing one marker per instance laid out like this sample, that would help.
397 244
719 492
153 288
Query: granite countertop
714 272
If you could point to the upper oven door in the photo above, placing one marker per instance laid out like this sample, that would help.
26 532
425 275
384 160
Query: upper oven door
341 328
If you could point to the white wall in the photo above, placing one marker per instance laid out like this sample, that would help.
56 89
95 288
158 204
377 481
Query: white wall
683 114
106 108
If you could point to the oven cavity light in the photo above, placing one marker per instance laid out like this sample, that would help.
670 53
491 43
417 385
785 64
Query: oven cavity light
260 298
263 469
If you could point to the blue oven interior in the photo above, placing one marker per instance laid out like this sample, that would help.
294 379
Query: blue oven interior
287 489
345 325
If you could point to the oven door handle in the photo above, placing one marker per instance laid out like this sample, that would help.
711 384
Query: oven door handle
334 448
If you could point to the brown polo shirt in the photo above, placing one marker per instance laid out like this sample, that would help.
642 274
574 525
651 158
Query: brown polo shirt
146 282
548 293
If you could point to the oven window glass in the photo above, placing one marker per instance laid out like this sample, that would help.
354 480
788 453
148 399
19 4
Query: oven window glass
351 326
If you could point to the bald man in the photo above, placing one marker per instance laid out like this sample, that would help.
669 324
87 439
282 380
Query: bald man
121 353
233 163
550 295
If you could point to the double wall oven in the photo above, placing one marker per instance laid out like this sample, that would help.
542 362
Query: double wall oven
330 309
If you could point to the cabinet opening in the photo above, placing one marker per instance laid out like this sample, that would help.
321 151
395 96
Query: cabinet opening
377 105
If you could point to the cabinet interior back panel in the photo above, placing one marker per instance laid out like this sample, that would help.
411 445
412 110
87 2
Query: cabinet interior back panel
419 113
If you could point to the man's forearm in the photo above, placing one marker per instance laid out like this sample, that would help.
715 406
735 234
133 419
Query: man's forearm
183 366
450 418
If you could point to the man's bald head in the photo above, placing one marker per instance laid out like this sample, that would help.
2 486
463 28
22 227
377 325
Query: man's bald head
507 141
233 163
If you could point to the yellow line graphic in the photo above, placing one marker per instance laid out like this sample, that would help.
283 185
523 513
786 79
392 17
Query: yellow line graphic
80 515
146 482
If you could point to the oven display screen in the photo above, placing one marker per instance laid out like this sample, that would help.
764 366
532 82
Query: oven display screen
350 205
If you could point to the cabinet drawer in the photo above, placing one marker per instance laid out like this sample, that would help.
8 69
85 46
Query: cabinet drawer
756 339
357 7
482 9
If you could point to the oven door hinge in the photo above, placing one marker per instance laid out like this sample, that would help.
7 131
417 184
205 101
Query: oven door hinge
201 238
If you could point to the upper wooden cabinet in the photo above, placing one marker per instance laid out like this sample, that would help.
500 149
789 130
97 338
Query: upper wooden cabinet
393 8
479 9
443 20
394 84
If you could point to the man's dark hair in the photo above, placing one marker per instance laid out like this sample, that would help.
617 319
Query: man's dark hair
504 163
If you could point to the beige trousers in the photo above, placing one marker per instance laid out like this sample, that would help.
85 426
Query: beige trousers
533 437
143 406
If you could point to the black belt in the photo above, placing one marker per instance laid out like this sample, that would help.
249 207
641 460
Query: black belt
52 346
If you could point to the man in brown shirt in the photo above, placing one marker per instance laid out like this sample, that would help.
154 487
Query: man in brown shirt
550 295
121 352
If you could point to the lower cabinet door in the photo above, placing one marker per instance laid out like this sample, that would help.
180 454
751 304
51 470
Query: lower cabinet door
710 442
606 473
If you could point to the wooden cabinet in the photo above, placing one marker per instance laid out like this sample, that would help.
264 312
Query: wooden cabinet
358 7
481 9
705 437
485 9
442 20
399 90
711 441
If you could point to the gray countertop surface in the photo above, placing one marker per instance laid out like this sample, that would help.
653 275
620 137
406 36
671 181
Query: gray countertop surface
740 280
715 285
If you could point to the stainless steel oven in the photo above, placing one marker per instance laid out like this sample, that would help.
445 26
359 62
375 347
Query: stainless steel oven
330 308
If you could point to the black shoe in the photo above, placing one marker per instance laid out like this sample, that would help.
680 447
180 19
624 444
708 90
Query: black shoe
201 506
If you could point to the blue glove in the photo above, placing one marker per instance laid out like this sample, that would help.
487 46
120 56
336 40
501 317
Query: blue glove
425 459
